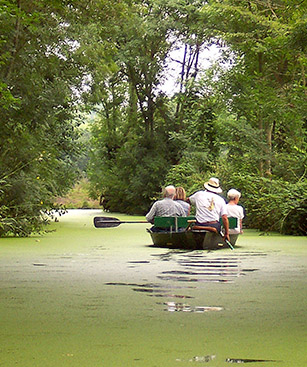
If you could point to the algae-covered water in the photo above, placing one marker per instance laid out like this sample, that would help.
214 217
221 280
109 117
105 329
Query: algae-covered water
90 297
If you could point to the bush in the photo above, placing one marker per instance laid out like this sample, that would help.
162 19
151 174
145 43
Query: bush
272 204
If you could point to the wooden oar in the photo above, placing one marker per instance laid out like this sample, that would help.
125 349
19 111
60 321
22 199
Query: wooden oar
109 222
227 242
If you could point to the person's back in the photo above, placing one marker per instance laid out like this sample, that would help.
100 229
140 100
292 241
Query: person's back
235 210
210 207
166 207
181 199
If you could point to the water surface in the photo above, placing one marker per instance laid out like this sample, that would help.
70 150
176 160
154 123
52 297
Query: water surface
81 296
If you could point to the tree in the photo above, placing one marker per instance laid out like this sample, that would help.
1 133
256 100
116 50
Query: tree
266 85
40 77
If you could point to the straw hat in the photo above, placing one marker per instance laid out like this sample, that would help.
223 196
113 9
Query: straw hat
213 185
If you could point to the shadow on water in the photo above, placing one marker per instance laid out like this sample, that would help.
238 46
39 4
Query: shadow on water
153 290
210 358
234 360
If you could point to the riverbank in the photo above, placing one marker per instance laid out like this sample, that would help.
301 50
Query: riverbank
82 296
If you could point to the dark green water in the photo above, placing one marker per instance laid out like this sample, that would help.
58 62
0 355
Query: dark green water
90 297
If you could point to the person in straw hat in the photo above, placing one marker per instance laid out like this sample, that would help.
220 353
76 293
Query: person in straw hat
210 207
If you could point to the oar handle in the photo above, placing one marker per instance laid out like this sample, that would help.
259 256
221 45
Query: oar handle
130 221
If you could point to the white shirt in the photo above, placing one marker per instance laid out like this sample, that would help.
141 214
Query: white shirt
209 206
235 211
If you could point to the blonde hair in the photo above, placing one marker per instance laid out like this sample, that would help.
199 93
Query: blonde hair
180 193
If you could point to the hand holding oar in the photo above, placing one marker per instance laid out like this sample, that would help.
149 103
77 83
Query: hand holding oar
109 222
225 240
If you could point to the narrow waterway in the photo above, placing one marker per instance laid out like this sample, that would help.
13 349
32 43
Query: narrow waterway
85 297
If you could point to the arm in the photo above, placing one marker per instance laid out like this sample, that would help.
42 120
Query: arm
151 214
241 225
226 226
191 199
241 219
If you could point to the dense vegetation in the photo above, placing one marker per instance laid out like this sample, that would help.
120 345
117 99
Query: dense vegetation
40 78
242 120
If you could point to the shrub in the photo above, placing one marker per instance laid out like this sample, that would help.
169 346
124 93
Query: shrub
272 204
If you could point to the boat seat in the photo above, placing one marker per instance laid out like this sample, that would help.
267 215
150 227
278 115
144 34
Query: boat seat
233 222
164 222
173 223
204 229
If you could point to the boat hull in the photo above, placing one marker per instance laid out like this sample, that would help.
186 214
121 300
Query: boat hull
200 240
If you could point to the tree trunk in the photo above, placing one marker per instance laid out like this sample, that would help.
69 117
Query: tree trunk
16 41
261 168
132 115
268 160
189 61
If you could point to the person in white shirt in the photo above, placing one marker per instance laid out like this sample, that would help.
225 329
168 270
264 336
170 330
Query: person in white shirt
210 207
235 210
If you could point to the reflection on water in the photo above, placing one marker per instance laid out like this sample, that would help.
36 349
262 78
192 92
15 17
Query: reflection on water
189 267
153 290
201 359
177 307
160 293
201 269
139 262
205 267
36 264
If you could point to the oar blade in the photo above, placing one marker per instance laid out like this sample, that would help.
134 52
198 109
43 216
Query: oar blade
229 244
106 222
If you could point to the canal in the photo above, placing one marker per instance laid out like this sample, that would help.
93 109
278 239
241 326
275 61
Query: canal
80 296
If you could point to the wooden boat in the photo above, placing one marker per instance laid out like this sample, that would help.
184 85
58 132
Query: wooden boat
178 232
181 232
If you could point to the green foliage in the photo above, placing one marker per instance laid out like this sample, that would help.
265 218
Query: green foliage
39 80
21 219
243 121
127 177
273 204
265 83
245 118
191 172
